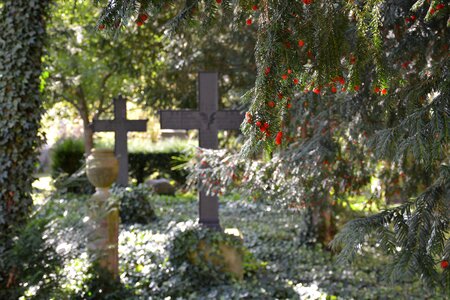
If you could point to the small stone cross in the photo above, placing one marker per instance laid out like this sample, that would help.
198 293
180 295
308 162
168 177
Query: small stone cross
121 126
208 120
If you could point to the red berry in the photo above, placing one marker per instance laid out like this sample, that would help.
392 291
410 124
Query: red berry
266 125
249 22
413 17
289 71
271 104
356 88
289 105
333 89
280 96
284 76
444 264
343 89
278 138
341 80
376 90
143 17
440 6
316 91
267 71
295 81
139 23
219 1
101 27
258 123
407 20
383 91
432 11
255 7
307 2
301 43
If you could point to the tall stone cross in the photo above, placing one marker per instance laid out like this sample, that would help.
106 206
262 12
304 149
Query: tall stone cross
208 120
121 126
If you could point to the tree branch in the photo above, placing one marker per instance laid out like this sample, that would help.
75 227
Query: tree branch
68 100
101 109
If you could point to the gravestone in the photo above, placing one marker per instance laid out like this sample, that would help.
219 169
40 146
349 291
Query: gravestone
208 120
161 186
121 126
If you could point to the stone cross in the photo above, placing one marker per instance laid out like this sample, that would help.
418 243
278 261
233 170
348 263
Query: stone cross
121 126
208 120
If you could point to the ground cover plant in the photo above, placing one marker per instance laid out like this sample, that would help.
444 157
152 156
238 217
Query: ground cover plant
280 261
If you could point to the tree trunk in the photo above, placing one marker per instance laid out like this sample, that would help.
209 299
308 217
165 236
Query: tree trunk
22 34
88 135
324 221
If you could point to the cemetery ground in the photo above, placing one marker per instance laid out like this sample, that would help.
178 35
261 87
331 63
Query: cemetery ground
280 261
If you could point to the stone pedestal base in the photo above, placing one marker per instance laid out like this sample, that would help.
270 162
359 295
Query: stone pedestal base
104 242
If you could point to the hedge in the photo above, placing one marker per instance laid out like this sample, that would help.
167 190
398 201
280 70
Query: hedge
144 164
67 156
141 164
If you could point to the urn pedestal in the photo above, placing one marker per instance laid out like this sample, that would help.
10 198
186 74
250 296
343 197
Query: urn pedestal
102 169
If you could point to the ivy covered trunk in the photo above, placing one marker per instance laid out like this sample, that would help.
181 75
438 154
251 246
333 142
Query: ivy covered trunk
22 33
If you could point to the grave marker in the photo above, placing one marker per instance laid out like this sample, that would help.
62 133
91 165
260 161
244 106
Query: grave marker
121 126
208 120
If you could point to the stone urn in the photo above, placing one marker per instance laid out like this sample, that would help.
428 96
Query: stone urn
102 168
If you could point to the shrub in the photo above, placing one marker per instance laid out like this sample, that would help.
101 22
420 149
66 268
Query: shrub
32 261
67 156
99 285
135 204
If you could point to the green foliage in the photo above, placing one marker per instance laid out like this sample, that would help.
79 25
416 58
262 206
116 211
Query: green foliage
144 145
21 107
135 204
86 69
143 165
99 285
77 183
280 266
32 261
354 85
222 48
67 156
404 232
